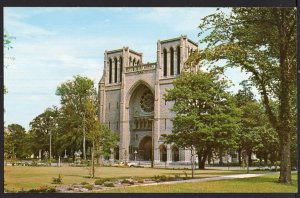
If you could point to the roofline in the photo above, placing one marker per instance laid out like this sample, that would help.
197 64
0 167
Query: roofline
169 40
193 42
178 38
114 51
134 52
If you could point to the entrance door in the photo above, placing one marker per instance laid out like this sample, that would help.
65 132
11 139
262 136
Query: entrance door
146 148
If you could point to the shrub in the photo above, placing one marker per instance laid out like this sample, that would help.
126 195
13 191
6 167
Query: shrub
177 176
139 180
34 163
43 189
170 178
163 178
89 186
100 181
109 184
84 183
126 181
57 180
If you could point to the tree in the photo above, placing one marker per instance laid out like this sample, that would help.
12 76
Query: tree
7 46
16 142
74 94
41 128
206 115
262 42
102 138
268 144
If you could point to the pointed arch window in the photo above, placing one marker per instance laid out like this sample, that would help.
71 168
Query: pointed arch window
172 61
116 69
133 64
121 68
178 60
165 62
110 71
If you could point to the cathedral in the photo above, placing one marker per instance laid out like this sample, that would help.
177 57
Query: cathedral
131 97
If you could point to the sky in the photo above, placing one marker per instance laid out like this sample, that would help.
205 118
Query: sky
52 45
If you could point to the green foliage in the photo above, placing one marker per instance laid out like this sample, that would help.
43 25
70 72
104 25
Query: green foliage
108 184
41 127
75 94
206 116
16 142
57 180
43 189
84 183
100 181
262 42
126 181
89 186
162 178
138 179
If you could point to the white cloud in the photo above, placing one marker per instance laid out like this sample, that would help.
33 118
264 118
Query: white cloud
14 20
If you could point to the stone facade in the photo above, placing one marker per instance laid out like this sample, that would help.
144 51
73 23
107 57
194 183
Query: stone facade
132 103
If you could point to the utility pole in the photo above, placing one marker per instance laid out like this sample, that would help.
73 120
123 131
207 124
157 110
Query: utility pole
50 147
152 153
83 149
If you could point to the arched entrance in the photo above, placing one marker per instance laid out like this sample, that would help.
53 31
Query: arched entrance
145 148
163 153
175 154
116 153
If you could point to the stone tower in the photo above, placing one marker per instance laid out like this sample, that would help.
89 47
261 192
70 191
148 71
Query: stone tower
131 100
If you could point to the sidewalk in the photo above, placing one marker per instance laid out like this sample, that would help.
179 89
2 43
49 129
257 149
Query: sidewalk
224 177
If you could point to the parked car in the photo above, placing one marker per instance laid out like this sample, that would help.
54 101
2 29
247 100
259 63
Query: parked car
120 164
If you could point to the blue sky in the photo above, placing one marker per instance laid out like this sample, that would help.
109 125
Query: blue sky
54 44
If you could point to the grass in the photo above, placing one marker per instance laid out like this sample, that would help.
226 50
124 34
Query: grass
18 178
261 184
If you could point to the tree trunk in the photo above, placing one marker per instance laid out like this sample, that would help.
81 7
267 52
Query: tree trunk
265 159
221 157
203 159
240 156
199 154
93 161
286 76
249 153
285 161
193 161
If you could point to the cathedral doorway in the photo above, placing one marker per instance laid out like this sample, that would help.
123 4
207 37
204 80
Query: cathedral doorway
116 153
175 154
145 148
163 153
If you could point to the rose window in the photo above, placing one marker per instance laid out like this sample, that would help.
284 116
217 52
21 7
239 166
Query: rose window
147 102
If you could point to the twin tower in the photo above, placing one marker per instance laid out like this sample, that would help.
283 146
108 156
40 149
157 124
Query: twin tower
131 96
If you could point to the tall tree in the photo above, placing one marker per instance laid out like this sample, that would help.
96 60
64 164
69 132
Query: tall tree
43 128
101 137
262 42
16 141
74 95
206 115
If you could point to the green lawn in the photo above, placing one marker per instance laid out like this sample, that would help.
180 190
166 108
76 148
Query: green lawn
25 177
18 178
262 184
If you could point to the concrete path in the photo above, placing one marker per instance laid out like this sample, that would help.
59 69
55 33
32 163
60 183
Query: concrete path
224 177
